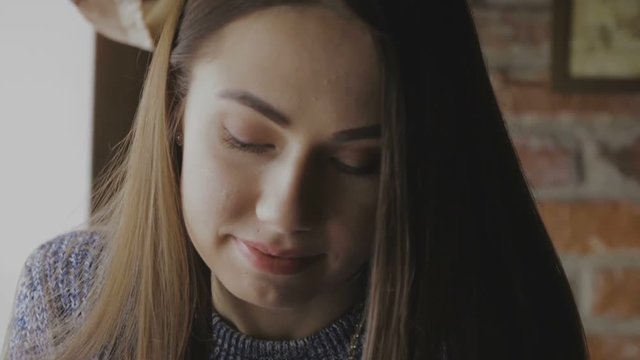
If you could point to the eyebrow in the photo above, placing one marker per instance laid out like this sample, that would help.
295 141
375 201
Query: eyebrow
248 99
270 112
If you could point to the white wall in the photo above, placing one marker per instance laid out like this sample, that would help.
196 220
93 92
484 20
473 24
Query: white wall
46 100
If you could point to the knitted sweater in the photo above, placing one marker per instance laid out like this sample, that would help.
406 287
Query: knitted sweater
51 284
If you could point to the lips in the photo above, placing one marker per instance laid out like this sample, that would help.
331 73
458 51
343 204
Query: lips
276 261
277 252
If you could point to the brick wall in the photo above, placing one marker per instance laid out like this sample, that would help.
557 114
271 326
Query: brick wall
581 155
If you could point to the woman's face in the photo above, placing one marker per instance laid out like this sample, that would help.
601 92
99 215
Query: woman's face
281 151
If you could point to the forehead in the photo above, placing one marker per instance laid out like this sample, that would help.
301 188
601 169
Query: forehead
306 60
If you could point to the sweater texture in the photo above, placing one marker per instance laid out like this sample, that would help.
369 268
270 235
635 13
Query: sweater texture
53 284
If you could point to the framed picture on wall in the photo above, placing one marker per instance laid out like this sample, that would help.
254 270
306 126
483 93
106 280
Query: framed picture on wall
596 45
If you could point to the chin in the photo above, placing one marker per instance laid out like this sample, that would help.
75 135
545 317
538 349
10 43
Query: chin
272 294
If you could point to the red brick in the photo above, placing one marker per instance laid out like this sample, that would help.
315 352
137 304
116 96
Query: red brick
512 25
592 227
515 41
626 158
515 36
547 163
517 98
617 293
614 347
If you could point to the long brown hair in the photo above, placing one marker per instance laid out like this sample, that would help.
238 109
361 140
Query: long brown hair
462 265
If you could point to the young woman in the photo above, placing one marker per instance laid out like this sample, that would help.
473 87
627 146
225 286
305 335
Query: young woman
307 180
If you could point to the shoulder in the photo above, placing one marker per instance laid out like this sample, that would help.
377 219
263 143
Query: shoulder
60 270
66 252
62 267
55 280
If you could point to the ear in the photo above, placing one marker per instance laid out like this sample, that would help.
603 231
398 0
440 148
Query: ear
133 22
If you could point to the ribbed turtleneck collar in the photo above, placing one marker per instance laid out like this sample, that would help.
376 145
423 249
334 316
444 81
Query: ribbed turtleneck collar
330 343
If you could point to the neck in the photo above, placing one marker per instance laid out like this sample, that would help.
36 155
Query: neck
286 323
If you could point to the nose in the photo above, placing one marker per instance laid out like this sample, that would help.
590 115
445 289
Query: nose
285 202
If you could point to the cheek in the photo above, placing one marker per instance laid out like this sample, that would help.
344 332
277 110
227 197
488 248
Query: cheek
351 229
211 195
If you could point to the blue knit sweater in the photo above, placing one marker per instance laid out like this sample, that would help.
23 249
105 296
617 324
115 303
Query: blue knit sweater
51 285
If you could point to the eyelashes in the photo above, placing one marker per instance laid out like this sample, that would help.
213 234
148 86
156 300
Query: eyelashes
372 167
231 142
369 169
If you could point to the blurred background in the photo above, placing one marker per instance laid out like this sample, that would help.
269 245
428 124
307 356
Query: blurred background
567 76
566 73
46 105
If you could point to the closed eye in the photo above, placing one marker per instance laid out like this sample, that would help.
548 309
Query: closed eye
232 142
370 167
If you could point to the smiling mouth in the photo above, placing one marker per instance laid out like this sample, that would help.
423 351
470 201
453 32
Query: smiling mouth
287 262
278 252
